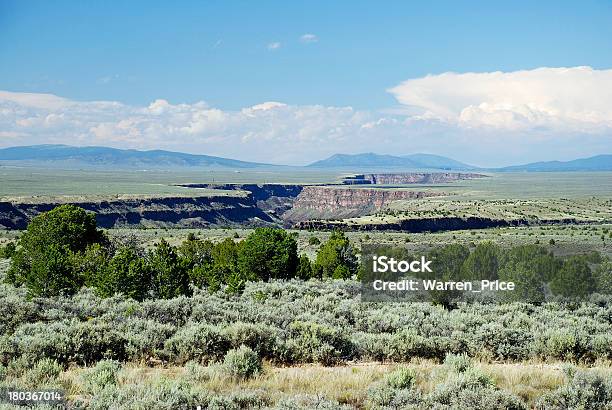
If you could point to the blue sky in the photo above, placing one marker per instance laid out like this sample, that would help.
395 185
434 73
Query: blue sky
237 54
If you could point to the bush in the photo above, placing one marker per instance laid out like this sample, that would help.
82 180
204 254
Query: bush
242 363
587 390
145 338
504 342
103 374
163 394
43 373
472 389
402 378
563 344
310 402
242 399
312 342
407 344
260 338
200 342
196 372
457 363
96 340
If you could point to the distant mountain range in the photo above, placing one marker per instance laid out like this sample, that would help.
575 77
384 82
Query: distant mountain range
378 160
65 155
370 160
104 156
596 163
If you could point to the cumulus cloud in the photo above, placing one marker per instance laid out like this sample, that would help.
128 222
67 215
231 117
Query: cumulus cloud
487 119
34 100
309 38
270 131
274 46
560 99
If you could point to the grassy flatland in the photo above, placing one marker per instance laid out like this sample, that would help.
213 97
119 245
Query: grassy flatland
594 209
527 185
26 181
61 199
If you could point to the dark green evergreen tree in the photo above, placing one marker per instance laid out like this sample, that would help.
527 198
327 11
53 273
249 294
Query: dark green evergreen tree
336 258
169 273
44 261
268 253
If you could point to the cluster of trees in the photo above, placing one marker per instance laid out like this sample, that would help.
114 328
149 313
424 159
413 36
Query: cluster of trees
62 250
536 271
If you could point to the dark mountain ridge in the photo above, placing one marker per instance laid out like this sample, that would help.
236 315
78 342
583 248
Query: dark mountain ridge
105 156
413 161
67 155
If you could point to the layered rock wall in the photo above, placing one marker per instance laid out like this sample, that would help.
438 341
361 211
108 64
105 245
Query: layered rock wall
409 178
318 202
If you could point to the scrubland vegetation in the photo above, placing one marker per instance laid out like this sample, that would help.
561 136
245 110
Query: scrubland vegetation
249 323
218 341
592 210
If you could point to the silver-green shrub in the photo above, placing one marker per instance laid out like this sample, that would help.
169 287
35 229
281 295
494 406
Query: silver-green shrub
586 390
43 373
200 342
457 363
103 374
401 378
242 363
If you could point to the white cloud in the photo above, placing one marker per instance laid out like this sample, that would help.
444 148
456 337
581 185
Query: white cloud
482 118
274 46
560 99
309 38
33 100
268 105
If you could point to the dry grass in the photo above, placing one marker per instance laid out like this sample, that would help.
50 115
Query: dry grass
349 383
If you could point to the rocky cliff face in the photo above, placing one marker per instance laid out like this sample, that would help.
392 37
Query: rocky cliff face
410 178
318 202
414 225
261 192
166 211
274 199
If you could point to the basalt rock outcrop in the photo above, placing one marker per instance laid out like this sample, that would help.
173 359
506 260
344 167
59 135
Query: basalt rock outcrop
254 205
409 178
202 211
414 225
274 199
260 192
329 202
